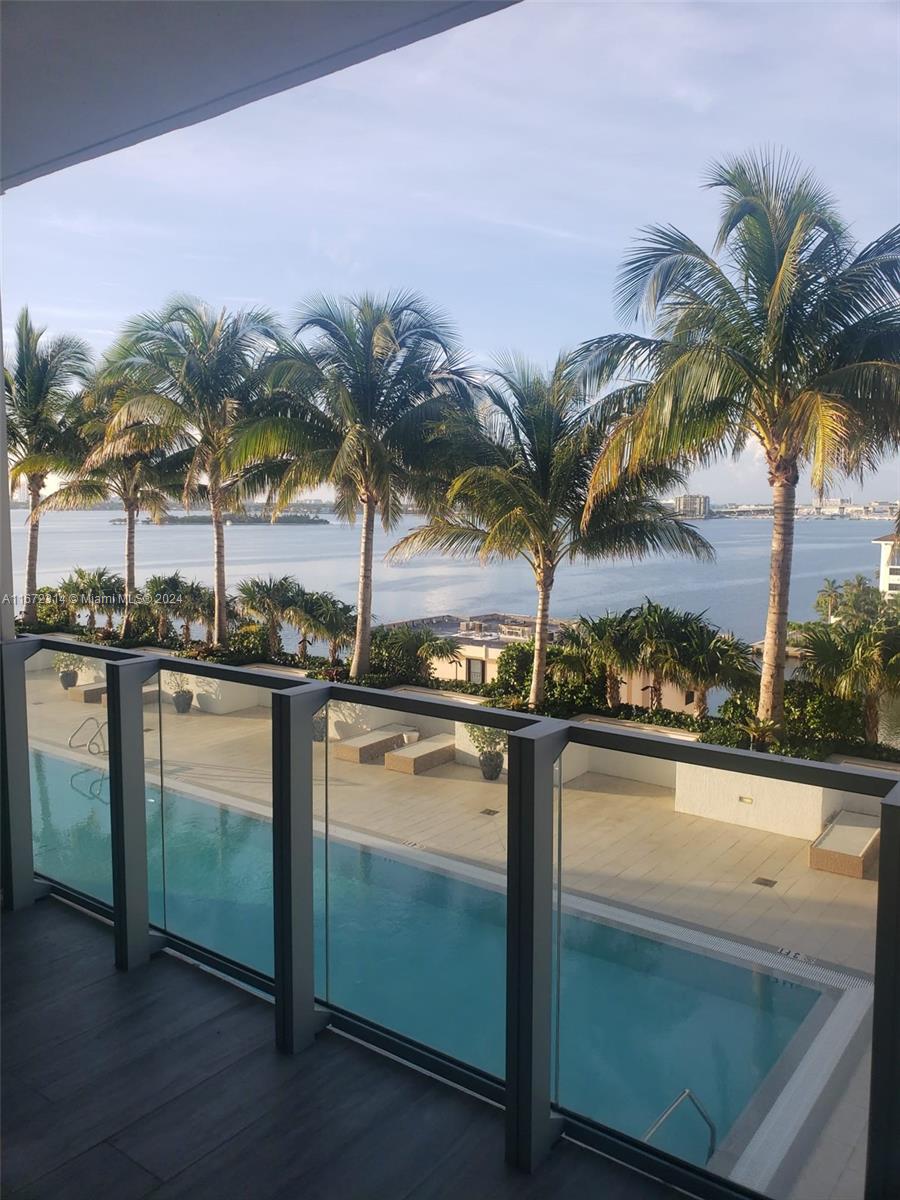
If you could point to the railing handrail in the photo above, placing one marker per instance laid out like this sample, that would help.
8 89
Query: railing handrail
628 741
685 1094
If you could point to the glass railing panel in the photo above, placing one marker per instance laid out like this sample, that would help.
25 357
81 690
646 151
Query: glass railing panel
69 765
214 785
416 877
714 967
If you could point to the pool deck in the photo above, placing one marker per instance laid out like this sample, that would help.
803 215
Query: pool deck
623 842
165 1082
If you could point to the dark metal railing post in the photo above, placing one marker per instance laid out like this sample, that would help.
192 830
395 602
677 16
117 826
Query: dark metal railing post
883 1157
297 1020
128 810
16 846
531 1128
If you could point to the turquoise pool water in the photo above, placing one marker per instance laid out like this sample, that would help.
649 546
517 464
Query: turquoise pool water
423 953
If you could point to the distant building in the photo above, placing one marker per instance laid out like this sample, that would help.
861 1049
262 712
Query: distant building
834 506
692 508
889 569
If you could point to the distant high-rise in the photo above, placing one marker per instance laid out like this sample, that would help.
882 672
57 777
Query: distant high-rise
692 508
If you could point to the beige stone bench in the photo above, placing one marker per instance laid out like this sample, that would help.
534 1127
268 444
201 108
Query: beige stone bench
87 693
371 747
849 846
421 757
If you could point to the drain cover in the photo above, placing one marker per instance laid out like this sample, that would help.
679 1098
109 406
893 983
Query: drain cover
490 812
763 882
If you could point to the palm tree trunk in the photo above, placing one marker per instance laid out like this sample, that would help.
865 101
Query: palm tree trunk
656 688
539 669
871 717
613 688
701 702
186 632
274 637
771 685
360 664
130 522
29 612
220 621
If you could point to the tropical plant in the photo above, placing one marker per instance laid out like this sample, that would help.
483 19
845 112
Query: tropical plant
270 600
194 602
336 622
602 648
860 602
303 614
660 634
854 661
193 375
368 402
162 596
99 591
407 652
525 495
142 481
761 732
785 334
827 599
714 659
38 399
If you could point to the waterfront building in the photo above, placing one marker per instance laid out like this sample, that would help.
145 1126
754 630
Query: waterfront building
692 508
889 567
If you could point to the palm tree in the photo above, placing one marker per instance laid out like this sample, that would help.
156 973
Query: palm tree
785 335
369 399
600 647
193 373
270 600
411 650
142 482
194 602
856 662
829 596
38 398
525 496
661 634
162 596
100 591
337 623
303 614
715 659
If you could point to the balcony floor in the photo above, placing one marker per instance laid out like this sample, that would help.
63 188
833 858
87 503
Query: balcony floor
165 1082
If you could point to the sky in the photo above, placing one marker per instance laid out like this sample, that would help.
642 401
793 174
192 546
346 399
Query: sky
501 169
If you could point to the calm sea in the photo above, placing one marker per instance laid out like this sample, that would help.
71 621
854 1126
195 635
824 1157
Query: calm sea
732 590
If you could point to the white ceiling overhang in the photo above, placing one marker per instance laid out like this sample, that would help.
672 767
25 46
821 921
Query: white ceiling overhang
81 78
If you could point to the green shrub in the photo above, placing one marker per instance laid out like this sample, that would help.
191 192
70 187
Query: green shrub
487 739
514 665
64 660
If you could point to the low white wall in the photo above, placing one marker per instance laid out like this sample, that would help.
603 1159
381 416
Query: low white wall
576 760
775 805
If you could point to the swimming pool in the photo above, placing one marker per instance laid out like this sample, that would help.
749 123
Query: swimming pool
421 949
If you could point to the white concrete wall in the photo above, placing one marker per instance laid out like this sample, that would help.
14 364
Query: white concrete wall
93 670
792 809
577 760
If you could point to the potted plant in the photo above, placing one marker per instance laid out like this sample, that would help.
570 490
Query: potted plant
182 696
67 667
491 745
